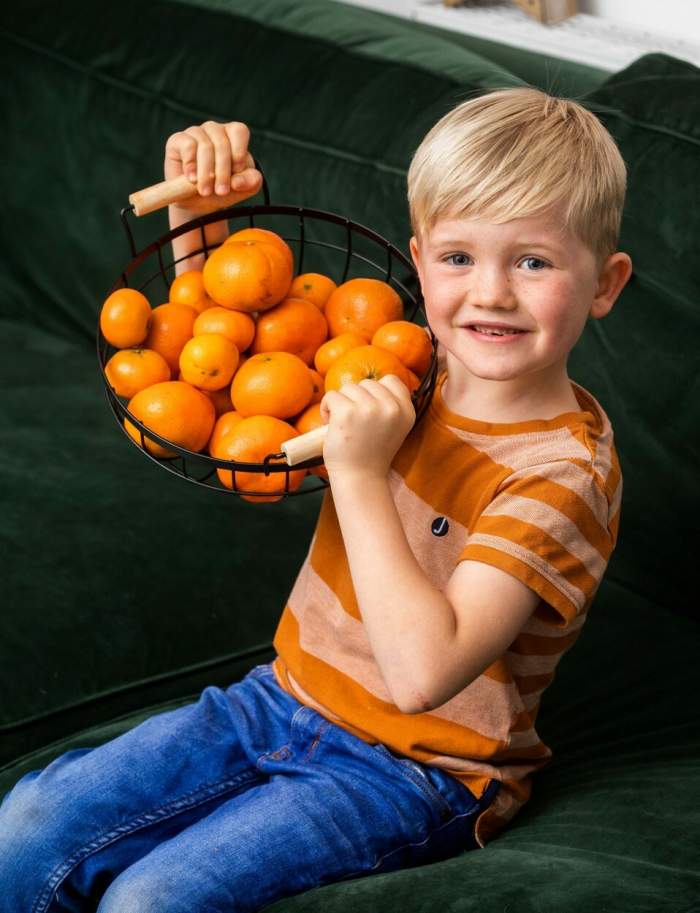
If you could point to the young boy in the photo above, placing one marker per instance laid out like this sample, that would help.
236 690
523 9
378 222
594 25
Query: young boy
452 565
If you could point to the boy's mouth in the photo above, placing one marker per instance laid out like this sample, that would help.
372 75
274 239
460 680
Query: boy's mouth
501 332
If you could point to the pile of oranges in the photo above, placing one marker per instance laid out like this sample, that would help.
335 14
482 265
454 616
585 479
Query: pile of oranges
239 358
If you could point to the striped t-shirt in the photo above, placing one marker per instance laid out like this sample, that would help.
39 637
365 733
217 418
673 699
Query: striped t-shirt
539 499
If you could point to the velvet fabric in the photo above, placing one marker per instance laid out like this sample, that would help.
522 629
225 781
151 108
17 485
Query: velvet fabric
125 590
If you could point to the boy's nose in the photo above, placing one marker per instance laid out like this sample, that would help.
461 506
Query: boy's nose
491 289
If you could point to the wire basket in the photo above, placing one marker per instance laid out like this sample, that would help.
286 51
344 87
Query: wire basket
322 242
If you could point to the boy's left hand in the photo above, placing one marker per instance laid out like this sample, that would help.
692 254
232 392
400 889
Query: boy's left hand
367 423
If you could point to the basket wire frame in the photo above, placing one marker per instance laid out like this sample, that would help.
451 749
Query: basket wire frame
199 467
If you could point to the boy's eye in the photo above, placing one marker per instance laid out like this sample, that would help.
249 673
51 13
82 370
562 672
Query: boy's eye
536 260
450 257
535 269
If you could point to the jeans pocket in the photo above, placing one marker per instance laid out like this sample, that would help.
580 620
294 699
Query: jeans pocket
414 772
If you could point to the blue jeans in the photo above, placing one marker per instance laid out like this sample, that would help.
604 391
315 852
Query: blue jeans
224 805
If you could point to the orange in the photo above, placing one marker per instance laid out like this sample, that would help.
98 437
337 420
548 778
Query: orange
125 318
413 381
250 441
208 361
188 288
295 325
364 362
224 423
247 275
278 384
174 410
336 346
264 234
307 421
408 341
362 306
221 399
131 370
315 287
171 327
235 325
319 387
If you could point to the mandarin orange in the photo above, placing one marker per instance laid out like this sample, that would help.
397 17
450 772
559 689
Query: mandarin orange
224 423
175 410
208 361
125 318
237 326
131 370
315 287
188 288
171 327
408 341
363 362
251 275
294 325
251 441
264 234
361 306
334 347
221 399
278 384
319 387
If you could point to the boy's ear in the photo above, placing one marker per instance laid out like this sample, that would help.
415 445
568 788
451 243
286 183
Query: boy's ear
612 278
415 256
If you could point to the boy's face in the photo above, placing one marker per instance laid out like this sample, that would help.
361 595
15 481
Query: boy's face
526 274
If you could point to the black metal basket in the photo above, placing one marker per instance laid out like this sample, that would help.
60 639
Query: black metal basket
356 246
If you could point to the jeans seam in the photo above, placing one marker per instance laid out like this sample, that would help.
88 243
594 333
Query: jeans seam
403 846
428 837
169 810
429 789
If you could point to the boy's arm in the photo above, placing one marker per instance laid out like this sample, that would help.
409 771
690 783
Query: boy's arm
215 233
215 156
428 644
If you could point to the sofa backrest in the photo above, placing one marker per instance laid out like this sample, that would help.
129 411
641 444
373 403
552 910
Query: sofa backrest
337 99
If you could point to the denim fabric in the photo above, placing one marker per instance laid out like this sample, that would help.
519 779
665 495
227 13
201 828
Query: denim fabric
224 805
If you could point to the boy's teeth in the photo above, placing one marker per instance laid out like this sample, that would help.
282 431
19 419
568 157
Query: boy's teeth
495 332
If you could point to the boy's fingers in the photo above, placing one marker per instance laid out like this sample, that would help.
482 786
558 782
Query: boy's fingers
215 156
239 138
205 160
221 181
250 179
180 156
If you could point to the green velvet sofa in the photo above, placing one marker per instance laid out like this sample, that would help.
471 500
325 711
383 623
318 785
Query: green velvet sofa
125 590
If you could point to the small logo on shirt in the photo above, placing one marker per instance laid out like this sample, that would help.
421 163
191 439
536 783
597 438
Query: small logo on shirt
440 526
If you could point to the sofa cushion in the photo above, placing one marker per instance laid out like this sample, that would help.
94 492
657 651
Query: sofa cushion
611 823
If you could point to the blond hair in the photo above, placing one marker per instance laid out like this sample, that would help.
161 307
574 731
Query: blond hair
513 153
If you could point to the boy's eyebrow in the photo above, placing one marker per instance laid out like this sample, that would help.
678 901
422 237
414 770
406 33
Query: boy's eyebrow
459 242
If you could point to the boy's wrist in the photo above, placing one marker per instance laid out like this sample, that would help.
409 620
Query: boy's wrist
343 479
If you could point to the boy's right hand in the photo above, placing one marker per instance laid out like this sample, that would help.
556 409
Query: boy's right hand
216 158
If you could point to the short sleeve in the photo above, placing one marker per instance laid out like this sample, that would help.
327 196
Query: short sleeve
549 526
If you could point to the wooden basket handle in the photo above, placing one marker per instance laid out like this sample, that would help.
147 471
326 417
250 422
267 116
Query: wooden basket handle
305 446
164 194
182 188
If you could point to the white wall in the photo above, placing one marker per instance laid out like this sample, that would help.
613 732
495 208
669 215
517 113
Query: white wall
679 18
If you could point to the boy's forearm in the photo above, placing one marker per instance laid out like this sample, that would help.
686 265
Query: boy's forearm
408 621
215 233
